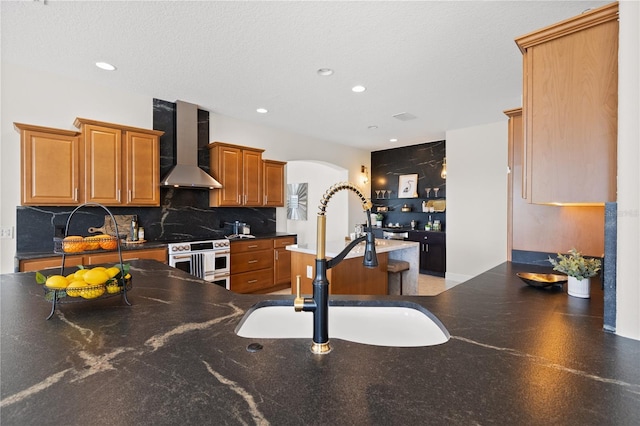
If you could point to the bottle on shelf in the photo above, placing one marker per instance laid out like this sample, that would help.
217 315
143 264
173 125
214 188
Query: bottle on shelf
429 225
134 228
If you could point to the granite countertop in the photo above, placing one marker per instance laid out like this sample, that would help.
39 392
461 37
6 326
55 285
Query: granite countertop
333 248
517 355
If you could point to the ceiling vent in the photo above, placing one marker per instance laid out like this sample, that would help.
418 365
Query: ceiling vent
404 116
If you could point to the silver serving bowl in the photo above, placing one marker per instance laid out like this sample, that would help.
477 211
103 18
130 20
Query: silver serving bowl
542 280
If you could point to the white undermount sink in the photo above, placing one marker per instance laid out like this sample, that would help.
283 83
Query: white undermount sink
398 324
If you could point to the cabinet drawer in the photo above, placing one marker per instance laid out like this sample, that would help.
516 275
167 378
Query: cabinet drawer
250 282
154 254
283 242
48 262
427 237
250 245
252 261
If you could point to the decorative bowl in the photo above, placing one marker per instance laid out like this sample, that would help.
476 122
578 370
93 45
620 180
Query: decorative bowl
542 280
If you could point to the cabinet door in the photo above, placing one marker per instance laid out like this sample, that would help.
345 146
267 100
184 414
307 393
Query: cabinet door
252 178
142 164
51 166
251 282
273 183
103 164
226 168
282 260
570 109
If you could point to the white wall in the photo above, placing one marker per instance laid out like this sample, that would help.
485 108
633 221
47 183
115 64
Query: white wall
316 175
476 199
628 269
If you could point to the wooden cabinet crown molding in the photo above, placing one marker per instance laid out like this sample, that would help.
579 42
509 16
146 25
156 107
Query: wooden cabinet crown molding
30 127
78 122
581 22
218 143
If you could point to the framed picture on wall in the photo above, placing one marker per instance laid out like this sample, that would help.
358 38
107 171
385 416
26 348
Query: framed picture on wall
408 186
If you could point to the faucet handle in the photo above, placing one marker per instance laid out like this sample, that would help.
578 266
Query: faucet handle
298 302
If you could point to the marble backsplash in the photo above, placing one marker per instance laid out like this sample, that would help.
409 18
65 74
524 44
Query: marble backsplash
184 214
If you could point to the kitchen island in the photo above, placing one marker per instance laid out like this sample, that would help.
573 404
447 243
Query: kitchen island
350 276
517 355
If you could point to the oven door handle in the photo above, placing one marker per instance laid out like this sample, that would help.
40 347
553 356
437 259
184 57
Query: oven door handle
180 256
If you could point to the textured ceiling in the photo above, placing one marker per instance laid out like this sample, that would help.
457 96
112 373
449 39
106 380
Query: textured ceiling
452 64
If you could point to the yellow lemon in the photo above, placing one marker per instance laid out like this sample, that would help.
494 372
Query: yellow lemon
95 276
71 277
99 268
57 282
113 271
113 288
80 273
75 288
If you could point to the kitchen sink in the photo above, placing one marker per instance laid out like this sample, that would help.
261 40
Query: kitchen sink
380 323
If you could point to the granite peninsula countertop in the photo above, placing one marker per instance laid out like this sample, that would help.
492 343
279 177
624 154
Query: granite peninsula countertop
517 355
333 248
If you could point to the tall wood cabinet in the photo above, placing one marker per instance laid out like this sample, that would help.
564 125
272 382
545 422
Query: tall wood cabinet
122 164
570 109
239 170
51 163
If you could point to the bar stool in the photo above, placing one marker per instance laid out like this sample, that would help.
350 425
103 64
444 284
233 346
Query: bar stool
397 267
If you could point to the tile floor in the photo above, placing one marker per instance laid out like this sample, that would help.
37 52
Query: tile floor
427 285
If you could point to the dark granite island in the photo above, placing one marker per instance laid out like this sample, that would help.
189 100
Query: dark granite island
517 355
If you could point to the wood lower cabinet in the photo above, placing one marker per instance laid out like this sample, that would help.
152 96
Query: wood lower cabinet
260 265
159 254
273 180
282 261
122 164
570 96
433 251
239 170
51 166
251 265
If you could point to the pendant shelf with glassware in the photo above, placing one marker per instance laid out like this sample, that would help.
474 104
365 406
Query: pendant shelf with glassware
119 284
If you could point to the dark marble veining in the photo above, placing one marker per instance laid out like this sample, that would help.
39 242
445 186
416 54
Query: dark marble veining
517 355
184 214
388 165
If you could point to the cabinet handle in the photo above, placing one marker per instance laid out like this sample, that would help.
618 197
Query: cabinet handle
118 196
426 247
75 194
253 261
252 246
252 281
276 253
129 196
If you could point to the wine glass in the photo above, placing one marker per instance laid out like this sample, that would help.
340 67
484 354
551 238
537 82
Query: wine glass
377 194
435 191
428 191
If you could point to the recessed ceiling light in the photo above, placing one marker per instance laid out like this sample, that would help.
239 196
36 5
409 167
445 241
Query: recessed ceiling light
393 140
325 72
262 110
358 89
105 66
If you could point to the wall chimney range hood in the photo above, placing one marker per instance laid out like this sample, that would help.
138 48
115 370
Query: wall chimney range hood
186 173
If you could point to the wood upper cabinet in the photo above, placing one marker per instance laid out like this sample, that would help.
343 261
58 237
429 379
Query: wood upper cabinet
570 98
239 170
122 164
273 180
51 164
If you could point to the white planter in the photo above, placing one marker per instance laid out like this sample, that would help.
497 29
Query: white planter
577 288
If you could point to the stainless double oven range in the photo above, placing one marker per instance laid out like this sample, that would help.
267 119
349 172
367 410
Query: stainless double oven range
209 260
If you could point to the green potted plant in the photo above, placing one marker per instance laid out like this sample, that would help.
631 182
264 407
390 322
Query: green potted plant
379 219
579 270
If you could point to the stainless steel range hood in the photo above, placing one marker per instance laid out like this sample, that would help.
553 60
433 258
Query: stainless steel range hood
186 172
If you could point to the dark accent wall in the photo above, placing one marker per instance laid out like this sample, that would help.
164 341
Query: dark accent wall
386 168
184 214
